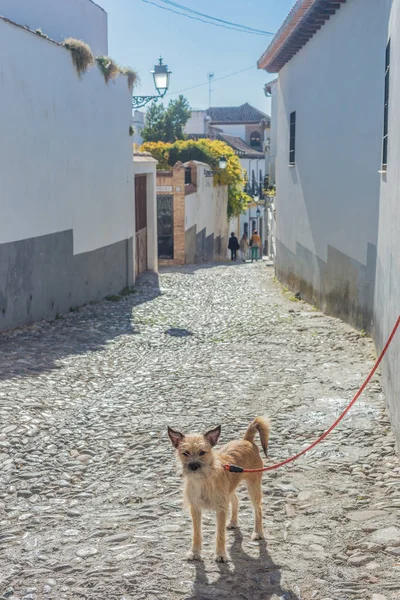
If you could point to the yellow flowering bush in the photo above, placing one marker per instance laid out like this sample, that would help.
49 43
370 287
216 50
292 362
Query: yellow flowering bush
209 152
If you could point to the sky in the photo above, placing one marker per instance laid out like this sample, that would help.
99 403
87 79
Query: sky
140 32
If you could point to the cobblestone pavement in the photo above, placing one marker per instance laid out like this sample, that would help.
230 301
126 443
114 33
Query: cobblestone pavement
90 500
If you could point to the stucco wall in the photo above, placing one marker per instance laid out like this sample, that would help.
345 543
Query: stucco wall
253 164
327 205
387 288
236 130
65 167
273 136
206 221
146 165
138 124
197 122
60 19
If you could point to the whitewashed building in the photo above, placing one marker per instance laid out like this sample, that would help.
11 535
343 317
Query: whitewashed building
67 222
146 258
138 124
330 57
387 280
335 112
59 19
246 130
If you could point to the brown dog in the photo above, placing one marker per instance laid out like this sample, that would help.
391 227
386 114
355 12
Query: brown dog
208 486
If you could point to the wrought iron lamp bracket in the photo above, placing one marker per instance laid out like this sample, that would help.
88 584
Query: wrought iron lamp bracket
140 101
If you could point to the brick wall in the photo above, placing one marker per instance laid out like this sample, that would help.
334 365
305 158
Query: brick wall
175 179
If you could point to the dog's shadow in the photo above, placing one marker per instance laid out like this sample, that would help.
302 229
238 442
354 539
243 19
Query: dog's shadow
250 578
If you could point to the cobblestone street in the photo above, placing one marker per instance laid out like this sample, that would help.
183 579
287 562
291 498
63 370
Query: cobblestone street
90 498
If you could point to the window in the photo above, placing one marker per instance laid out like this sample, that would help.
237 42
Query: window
188 175
255 139
386 110
292 144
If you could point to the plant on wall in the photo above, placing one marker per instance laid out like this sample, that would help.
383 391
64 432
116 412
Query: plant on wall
132 76
209 152
111 70
82 56
40 32
108 67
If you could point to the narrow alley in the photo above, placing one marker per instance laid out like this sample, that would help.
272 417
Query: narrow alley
90 497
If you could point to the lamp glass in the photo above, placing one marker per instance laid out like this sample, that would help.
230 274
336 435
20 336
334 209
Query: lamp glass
222 163
161 77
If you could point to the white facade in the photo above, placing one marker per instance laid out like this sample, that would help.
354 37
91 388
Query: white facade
146 165
387 284
66 180
206 222
327 203
238 130
256 165
197 124
60 19
63 147
270 156
138 124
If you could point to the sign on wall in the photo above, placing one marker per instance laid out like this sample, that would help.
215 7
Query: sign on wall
164 188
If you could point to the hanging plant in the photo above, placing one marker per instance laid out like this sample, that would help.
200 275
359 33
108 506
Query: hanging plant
108 67
81 53
132 76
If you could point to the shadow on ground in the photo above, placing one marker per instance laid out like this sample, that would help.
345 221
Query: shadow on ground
35 349
250 579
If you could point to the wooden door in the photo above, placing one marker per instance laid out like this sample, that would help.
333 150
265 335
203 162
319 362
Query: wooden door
141 223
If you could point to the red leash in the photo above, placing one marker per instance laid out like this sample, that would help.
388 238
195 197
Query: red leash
236 469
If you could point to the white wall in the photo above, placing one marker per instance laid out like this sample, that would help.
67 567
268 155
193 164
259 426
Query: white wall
207 206
253 164
236 130
65 150
273 135
138 123
197 122
387 286
146 165
60 19
335 85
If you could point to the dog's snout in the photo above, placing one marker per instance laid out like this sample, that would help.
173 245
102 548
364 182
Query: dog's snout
194 466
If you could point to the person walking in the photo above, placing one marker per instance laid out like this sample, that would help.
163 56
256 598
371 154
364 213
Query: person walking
244 247
233 246
255 244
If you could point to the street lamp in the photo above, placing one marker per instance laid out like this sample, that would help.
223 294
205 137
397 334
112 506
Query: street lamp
222 164
161 77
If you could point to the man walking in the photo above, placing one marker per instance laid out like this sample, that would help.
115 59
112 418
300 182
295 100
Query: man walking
255 244
233 246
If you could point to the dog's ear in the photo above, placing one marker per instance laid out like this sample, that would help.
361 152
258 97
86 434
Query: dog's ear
213 435
175 436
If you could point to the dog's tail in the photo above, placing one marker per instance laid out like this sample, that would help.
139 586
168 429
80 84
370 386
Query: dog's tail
263 426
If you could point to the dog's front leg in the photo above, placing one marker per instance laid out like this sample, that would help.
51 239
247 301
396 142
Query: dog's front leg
197 539
222 514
